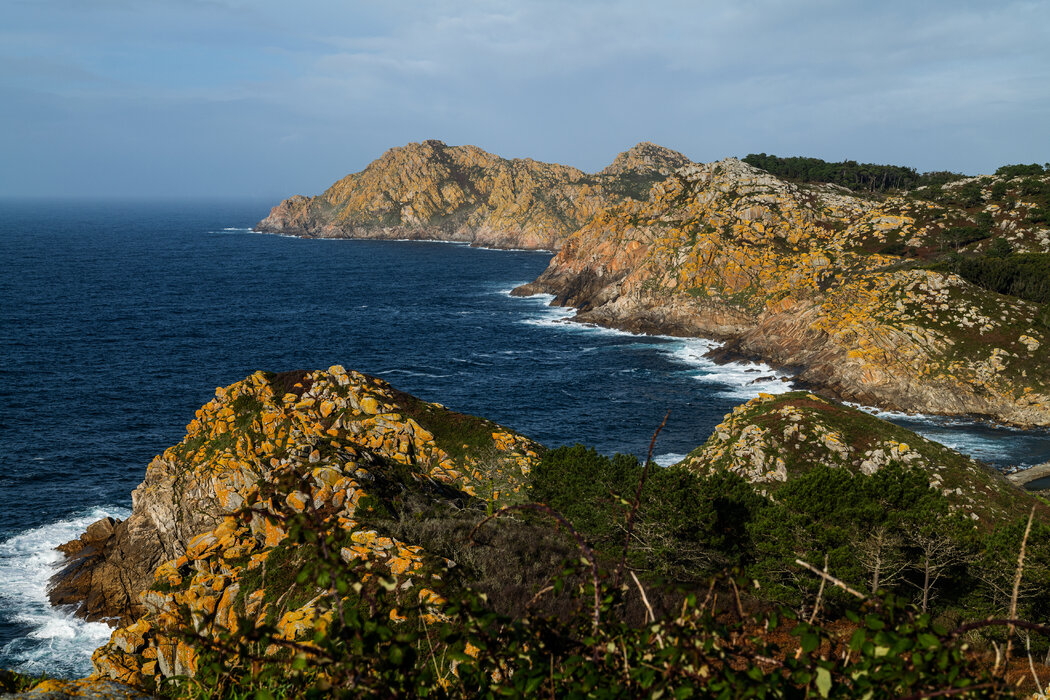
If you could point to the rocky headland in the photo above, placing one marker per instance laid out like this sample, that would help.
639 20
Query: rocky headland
323 440
431 191
843 288
818 279
208 547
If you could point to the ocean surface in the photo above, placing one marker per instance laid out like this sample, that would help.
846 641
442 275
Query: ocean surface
119 320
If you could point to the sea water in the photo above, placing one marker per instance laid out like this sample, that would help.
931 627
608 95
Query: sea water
119 320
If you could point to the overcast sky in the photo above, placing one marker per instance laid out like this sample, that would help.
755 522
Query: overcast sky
269 98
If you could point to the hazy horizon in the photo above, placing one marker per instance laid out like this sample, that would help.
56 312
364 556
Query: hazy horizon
230 99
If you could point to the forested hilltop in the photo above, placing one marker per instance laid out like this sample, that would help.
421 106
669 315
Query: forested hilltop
869 177
323 534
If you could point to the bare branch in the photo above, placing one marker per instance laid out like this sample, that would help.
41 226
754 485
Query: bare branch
1017 587
1031 664
820 592
998 622
637 502
838 582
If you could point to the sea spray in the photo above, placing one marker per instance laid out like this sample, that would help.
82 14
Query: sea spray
53 640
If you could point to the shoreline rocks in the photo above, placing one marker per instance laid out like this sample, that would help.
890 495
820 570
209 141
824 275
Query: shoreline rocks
790 275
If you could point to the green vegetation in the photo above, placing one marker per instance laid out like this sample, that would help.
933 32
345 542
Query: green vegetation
876 531
1022 170
11 682
1023 275
586 622
859 177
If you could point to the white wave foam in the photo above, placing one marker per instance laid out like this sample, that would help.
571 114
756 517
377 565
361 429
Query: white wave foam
56 642
738 380
666 460
514 250
742 380
412 373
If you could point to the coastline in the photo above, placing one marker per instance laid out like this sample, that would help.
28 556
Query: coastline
1023 477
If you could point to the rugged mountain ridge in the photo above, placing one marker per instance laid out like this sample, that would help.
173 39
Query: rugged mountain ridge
802 276
432 191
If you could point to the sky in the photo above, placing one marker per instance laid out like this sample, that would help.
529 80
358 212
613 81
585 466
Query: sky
267 98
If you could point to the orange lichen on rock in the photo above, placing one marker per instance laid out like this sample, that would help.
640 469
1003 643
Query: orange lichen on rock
334 433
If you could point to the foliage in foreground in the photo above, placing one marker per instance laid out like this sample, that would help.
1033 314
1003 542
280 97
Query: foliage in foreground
372 639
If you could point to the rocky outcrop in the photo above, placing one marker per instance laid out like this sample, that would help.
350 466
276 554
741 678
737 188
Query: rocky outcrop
770 439
109 566
431 191
81 689
213 510
797 275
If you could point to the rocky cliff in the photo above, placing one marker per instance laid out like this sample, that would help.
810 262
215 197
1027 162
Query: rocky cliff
433 191
815 278
209 519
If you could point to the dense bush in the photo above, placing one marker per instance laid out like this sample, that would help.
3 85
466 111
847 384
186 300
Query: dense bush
849 173
1024 275
713 644
1021 170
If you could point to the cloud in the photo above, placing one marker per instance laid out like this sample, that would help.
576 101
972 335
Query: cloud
331 84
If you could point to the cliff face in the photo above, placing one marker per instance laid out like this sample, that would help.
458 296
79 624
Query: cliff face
798 276
461 193
211 514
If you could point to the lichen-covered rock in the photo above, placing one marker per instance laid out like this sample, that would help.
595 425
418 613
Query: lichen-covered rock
82 689
773 437
795 274
432 191
338 435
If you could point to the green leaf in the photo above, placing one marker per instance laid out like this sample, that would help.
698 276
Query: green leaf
823 682
929 641
810 642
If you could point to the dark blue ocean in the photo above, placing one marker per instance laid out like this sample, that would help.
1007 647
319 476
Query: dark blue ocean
118 320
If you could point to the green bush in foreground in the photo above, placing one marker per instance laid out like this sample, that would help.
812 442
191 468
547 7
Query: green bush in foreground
718 641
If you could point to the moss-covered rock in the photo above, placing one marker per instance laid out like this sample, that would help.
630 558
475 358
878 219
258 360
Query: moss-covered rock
800 275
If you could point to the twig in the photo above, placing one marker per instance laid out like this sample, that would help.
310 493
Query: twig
950 691
1031 664
838 582
998 622
637 502
645 600
433 656
707 598
820 592
1017 587
546 589
736 595
588 553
